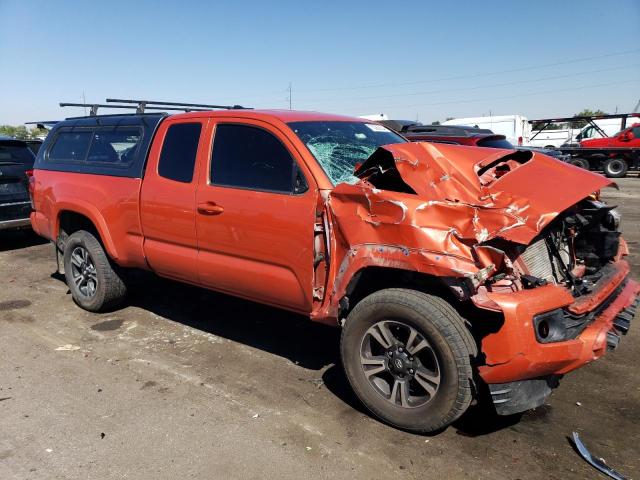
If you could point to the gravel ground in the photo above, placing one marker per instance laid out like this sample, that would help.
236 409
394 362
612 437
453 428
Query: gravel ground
185 383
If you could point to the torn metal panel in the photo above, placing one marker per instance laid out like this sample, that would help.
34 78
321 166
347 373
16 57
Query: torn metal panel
483 193
444 204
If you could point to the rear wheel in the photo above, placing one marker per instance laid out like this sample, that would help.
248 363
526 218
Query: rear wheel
615 168
580 162
96 285
408 356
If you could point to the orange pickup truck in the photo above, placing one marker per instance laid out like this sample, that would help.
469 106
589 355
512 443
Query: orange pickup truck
455 273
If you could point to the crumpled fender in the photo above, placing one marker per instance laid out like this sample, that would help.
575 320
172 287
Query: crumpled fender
441 203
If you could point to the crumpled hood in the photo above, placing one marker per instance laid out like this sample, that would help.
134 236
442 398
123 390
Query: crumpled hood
476 193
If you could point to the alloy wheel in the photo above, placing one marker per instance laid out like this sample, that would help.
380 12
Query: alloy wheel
400 364
83 272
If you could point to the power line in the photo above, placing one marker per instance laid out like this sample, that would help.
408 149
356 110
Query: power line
272 93
504 84
570 89
477 75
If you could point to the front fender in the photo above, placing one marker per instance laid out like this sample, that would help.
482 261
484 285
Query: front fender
359 257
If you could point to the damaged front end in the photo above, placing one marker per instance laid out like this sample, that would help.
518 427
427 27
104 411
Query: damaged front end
513 232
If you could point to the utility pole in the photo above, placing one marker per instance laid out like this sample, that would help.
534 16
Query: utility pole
84 102
290 90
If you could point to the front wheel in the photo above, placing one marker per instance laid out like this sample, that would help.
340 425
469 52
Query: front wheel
95 284
407 356
615 168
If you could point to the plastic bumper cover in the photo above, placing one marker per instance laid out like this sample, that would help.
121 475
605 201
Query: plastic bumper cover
513 353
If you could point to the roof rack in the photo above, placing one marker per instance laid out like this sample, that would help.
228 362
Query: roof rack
142 105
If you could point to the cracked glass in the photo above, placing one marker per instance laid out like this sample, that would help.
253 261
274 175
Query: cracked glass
340 146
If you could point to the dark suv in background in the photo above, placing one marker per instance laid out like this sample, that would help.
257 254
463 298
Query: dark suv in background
16 166
460 135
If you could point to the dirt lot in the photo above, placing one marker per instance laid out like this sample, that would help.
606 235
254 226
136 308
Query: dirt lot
185 383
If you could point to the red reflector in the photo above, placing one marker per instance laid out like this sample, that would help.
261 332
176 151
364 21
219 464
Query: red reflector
519 140
32 187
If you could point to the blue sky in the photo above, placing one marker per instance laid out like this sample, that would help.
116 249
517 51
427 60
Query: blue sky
429 60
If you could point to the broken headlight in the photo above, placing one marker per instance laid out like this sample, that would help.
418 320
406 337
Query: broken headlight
612 220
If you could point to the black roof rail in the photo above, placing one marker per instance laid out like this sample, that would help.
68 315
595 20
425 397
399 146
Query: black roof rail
93 107
144 104
141 105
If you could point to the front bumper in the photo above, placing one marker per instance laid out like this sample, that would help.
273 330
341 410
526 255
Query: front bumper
513 353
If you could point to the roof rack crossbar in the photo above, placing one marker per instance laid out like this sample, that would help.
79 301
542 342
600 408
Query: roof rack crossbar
93 107
140 107
142 104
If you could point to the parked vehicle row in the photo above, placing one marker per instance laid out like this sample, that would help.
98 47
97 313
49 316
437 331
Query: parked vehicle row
452 277
16 165
461 135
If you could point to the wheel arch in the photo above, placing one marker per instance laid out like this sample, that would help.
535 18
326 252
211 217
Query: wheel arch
371 278
73 217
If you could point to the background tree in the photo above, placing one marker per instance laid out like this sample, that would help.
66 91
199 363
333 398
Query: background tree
21 132
585 113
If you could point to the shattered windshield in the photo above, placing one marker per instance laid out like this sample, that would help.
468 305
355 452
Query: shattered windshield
339 146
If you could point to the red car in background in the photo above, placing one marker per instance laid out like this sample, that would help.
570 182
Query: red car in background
629 137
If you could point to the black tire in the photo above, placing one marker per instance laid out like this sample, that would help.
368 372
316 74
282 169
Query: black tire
615 167
109 289
580 162
449 342
550 147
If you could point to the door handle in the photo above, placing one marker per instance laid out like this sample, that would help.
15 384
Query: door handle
210 208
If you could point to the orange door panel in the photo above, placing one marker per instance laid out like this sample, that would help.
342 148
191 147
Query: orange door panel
168 199
252 243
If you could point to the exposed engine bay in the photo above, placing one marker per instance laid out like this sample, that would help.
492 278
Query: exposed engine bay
572 250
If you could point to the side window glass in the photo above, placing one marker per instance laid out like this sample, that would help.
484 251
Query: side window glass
250 157
116 145
636 132
179 149
70 146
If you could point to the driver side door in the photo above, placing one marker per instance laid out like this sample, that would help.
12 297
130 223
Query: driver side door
255 214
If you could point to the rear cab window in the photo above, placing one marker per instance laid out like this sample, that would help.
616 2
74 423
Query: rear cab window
179 151
111 145
70 146
114 145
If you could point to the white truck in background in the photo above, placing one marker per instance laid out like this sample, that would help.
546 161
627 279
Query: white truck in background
515 128
552 138
571 137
